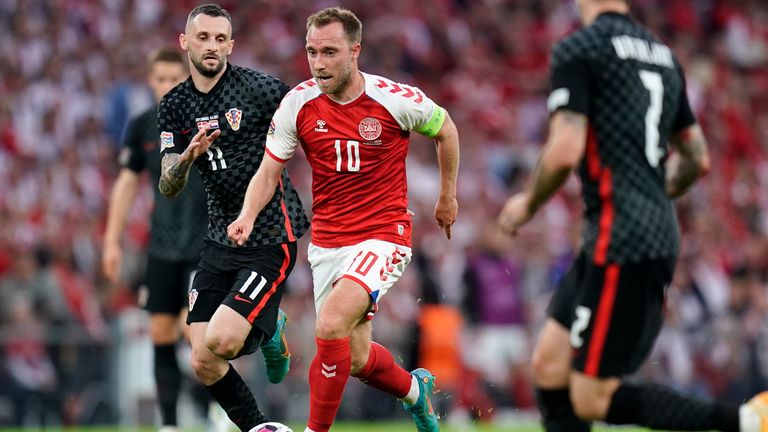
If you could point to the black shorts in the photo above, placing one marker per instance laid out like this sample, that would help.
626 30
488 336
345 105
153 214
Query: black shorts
168 283
249 280
614 313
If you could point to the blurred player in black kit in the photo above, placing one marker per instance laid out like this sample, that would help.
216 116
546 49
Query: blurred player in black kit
218 121
618 97
176 233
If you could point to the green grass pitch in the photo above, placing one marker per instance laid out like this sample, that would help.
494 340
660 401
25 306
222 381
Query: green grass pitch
408 427
350 427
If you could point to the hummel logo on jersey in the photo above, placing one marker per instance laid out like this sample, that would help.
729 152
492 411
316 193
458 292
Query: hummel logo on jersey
328 371
321 126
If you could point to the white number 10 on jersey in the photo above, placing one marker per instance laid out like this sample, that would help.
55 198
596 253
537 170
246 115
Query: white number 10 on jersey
352 154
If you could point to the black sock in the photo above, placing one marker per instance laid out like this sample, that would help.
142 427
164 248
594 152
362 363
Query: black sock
658 407
201 398
168 382
237 400
557 412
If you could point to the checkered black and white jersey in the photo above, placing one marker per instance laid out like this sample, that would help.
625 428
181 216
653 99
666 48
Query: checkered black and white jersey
632 89
241 105
178 224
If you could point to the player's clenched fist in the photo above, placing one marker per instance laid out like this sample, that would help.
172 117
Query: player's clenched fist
239 230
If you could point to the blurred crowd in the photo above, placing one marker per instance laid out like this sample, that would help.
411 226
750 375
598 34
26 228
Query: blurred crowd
73 72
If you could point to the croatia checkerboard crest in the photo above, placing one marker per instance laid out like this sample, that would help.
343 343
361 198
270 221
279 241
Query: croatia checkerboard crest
234 117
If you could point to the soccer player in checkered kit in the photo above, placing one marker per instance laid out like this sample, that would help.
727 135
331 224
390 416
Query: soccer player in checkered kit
354 129
618 99
176 234
217 120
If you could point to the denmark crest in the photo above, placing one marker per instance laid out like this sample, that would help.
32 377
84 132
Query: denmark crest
370 129
234 117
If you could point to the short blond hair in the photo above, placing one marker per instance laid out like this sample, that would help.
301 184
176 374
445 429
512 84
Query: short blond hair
353 28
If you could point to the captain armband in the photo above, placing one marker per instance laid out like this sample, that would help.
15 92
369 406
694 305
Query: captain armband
433 125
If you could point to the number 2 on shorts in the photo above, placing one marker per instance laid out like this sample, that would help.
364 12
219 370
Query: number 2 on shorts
583 314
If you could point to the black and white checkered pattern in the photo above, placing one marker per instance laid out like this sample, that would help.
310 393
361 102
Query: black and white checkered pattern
178 224
237 152
644 225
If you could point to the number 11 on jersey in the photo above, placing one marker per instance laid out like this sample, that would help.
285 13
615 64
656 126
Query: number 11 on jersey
216 159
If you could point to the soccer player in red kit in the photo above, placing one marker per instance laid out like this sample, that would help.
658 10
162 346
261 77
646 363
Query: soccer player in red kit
354 129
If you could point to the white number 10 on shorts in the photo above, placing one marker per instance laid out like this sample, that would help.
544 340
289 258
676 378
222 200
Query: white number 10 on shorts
374 264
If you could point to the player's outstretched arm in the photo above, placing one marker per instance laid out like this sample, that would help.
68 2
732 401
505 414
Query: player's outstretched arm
260 190
447 207
562 153
175 167
688 163
120 202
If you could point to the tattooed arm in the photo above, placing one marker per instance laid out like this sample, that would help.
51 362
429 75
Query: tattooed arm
688 163
561 154
175 173
175 167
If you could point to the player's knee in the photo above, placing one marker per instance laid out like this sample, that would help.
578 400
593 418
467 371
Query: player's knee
538 363
331 327
164 328
223 344
163 335
585 408
589 405
549 368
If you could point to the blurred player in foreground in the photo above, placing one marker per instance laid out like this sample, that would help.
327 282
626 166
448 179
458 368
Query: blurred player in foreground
218 120
618 97
176 233
354 129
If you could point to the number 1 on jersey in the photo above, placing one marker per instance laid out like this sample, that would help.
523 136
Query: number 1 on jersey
216 159
653 83
352 153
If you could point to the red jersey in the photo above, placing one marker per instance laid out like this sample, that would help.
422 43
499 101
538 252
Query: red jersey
357 153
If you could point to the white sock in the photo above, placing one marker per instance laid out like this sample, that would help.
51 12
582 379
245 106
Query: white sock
413 394
749 420
308 430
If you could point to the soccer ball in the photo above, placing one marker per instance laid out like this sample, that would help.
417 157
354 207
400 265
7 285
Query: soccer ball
271 427
753 415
